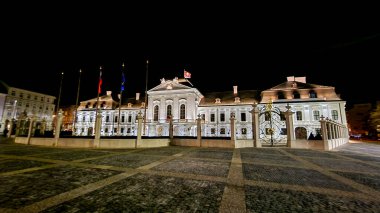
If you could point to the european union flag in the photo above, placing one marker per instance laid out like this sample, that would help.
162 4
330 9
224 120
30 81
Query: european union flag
122 81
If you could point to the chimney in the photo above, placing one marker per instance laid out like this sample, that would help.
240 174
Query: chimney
235 90
109 93
290 78
137 96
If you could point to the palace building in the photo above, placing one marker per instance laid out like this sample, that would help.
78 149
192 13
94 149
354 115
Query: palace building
177 100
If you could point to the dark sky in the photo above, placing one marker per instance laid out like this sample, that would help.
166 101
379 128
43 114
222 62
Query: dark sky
254 48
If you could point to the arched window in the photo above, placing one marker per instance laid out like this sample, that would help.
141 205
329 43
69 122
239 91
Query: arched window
312 94
296 95
155 113
182 109
168 111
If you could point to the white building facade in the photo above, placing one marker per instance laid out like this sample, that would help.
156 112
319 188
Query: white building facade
20 104
183 103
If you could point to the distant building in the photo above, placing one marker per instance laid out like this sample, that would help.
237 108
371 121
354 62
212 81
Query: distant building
16 103
178 99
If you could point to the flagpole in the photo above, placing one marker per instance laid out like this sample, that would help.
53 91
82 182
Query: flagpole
97 99
76 103
59 95
146 93
121 97
58 102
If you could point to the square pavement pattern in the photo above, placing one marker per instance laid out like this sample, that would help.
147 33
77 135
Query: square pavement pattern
189 179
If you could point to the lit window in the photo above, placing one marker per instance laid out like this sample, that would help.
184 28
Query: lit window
222 131
243 131
334 114
168 111
222 117
316 115
213 131
182 112
155 113
312 94
299 115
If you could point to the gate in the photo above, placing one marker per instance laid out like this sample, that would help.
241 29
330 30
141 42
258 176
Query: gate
271 124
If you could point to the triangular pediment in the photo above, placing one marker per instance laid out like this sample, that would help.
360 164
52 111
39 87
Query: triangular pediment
169 85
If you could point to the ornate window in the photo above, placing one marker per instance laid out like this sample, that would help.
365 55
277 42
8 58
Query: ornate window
155 113
129 118
299 115
212 117
182 111
107 118
168 111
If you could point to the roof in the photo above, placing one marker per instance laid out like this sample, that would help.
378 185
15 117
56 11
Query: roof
296 85
228 98
175 84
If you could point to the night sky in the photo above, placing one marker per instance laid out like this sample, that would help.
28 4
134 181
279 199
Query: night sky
221 47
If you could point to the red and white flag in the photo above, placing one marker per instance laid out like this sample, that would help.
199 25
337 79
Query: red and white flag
186 74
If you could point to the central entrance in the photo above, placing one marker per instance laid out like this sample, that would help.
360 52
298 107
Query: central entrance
272 125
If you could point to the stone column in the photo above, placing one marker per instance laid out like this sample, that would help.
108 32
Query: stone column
255 126
330 135
324 133
171 129
289 127
58 127
11 128
232 128
30 129
98 126
199 130
139 129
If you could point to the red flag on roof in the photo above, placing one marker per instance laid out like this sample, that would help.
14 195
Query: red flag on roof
186 74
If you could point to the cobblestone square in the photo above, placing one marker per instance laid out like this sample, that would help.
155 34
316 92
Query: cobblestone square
122 160
261 199
214 154
294 176
199 167
23 189
73 155
269 159
149 193
189 179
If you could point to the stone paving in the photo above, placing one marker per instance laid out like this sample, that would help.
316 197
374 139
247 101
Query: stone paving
189 179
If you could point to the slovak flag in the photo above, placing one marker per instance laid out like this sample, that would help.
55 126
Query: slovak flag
186 74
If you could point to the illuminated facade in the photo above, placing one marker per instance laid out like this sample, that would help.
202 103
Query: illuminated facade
177 98
20 103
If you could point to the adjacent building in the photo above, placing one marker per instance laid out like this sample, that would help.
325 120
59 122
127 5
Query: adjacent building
16 103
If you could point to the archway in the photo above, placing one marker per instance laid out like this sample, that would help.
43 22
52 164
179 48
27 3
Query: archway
301 133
